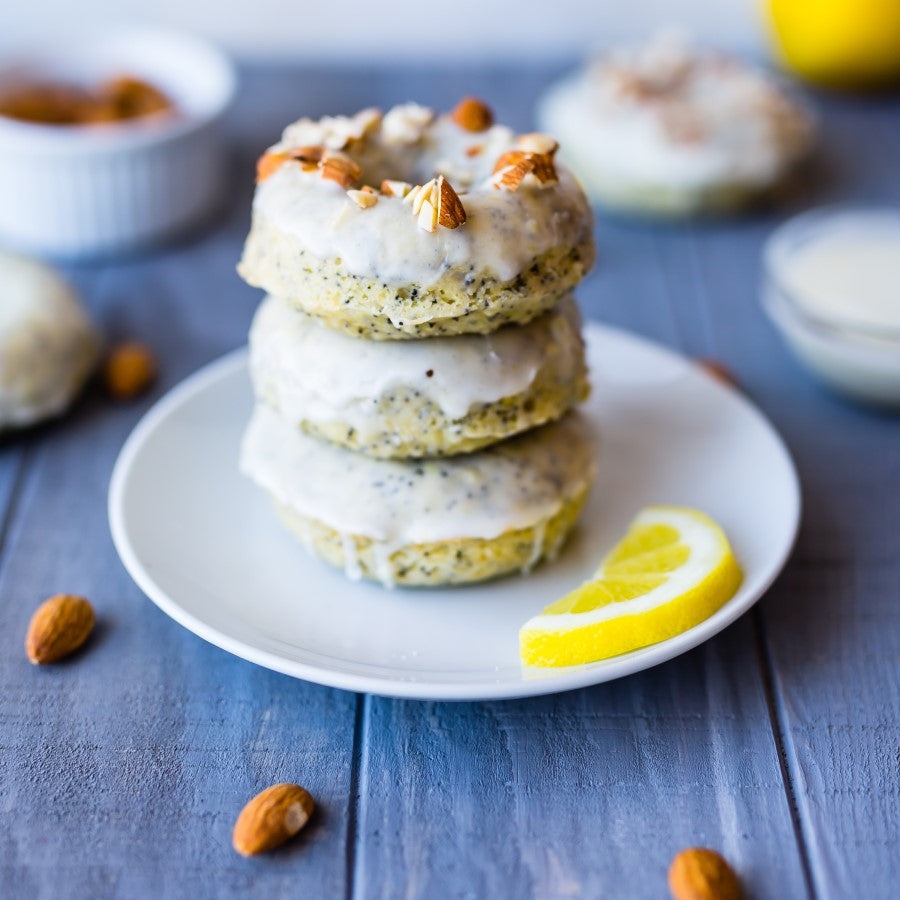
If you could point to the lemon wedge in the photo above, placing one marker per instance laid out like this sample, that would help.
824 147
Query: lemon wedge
673 569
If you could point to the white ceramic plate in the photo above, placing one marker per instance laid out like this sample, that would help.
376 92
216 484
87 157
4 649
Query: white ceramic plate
204 543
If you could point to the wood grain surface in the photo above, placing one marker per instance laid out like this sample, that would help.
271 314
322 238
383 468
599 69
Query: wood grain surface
777 743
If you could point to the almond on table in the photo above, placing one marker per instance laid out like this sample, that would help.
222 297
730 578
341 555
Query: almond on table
701 874
271 818
129 370
59 626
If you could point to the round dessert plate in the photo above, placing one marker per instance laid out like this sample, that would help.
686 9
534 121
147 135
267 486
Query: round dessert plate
205 544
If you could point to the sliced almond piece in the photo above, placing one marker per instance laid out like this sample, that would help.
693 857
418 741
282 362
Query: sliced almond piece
395 188
309 157
58 627
416 196
535 142
272 817
451 212
268 164
340 168
428 216
363 198
471 114
513 166
436 203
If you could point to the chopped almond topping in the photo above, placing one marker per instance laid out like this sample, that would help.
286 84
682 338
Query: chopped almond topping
436 203
515 165
510 176
475 150
268 164
535 142
451 212
472 115
395 188
405 124
363 198
340 168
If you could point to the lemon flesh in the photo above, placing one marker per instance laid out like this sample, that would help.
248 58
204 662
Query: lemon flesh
673 569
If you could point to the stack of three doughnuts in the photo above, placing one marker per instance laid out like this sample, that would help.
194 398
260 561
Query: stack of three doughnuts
419 351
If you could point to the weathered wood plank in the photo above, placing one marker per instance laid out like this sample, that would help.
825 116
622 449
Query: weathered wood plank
588 794
831 628
121 772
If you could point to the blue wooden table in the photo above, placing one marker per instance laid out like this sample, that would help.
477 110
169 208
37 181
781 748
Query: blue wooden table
778 742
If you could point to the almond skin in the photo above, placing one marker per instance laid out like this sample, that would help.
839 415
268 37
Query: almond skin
471 114
272 817
129 370
717 370
268 164
451 212
58 627
701 874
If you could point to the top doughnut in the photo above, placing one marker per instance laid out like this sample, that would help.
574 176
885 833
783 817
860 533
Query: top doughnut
412 224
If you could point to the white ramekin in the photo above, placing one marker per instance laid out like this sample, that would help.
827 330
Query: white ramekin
860 362
82 191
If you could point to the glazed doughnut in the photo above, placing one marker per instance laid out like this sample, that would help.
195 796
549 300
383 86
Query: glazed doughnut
431 522
435 397
665 129
412 224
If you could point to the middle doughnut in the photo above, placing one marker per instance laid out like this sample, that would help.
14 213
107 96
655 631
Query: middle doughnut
435 397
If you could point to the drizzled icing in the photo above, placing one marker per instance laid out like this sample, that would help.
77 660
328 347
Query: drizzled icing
314 373
512 485
503 233
666 113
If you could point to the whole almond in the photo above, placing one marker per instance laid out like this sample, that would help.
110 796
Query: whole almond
471 114
59 626
701 874
129 370
272 817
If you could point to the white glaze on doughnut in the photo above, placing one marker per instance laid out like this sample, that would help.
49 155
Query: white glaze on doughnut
504 231
317 374
669 115
512 485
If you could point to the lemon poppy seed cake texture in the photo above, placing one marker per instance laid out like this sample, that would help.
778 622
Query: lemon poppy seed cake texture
418 355
436 397
428 522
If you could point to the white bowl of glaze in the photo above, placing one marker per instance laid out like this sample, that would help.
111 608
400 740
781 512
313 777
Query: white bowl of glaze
826 312
87 190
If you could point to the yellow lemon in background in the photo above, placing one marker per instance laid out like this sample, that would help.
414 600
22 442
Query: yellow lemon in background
839 43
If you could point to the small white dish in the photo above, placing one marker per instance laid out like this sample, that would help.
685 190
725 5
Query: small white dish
827 321
205 545
82 191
